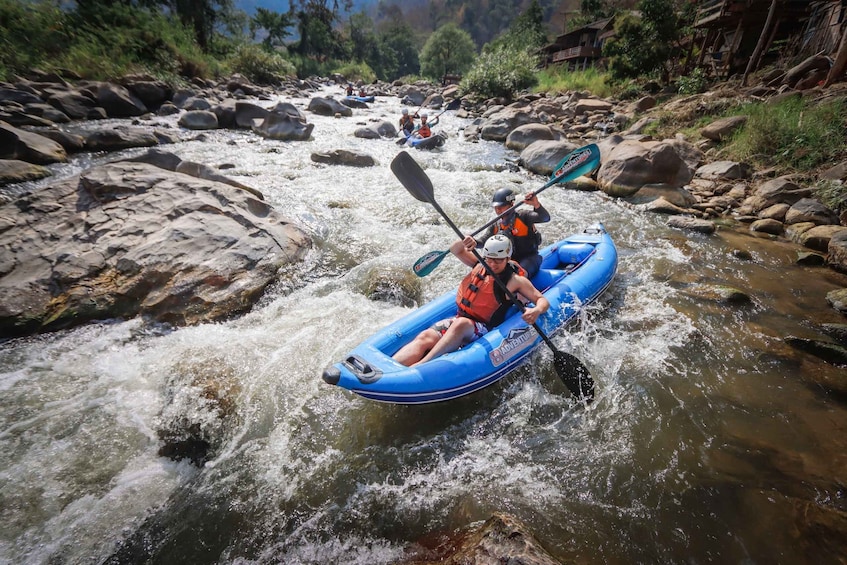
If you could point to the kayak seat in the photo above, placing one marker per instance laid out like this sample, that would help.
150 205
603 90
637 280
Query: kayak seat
545 278
574 253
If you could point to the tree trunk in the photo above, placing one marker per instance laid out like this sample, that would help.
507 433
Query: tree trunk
763 39
840 61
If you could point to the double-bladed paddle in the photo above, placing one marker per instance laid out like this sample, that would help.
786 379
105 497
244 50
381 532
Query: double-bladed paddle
572 371
575 164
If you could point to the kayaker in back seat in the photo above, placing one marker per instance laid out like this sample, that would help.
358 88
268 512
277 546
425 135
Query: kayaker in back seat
481 302
519 226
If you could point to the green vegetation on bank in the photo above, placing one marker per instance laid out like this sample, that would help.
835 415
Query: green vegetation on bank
794 134
175 40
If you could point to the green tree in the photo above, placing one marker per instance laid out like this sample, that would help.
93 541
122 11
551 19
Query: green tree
526 32
362 37
275 25
317 19
398 52
645 45
202 16
448 50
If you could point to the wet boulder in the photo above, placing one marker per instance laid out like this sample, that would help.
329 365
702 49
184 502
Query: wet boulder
199 120
344 157
328 107
28 146
394 285
128 239
13 171
502 538
284 126
543 156
120 137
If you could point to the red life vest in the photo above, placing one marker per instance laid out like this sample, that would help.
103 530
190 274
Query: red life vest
424 130
481 299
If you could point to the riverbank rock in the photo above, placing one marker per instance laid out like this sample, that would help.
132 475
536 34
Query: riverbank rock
30 147
128 239
14 171
344 157
501 539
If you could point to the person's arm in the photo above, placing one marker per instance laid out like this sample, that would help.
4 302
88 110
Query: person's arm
481 239
462 250
434 122
528 291
538 214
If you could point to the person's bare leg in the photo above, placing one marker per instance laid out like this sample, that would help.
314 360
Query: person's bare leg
460 332
417 348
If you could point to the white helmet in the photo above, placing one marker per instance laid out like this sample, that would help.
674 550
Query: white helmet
424 115
405 111
497 247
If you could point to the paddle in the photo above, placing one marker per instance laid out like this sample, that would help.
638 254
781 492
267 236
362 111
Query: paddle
453 105
575 164
572 371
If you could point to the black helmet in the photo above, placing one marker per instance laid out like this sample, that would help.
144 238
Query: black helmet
503 197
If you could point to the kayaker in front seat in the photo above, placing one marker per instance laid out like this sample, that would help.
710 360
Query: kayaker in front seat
481 302
519 226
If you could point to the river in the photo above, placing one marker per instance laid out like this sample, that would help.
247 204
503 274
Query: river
707 443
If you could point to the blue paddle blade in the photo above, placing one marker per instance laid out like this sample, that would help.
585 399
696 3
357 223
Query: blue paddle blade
578 163
426 264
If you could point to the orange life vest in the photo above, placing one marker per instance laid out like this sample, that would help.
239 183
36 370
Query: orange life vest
424 130
517 229
524 238
480 298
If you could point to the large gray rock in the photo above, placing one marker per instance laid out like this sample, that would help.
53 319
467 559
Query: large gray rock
523 136
836 256
542 157
30 147
129 238
118 101
633 164
344 157
500 124
284 126
775 191
198 120
13 171
810 210
328 107
120 138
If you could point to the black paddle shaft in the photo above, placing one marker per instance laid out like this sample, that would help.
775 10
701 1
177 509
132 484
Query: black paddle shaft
572 371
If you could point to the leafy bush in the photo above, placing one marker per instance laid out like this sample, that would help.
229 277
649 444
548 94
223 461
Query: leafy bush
308 65
355 71
501 72
260 65
694 83
793 134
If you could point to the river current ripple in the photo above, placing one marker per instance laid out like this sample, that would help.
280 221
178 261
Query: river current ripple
707 442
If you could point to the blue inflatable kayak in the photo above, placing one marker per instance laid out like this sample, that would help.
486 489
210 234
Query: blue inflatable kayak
431 142
575 271
361 98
